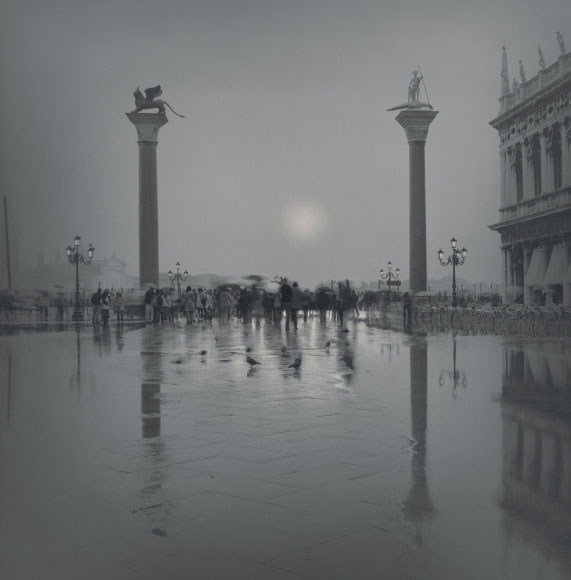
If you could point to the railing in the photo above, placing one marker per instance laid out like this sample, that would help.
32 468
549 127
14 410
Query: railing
546 202
542 79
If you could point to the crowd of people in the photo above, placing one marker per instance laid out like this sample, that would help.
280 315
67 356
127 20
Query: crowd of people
287 302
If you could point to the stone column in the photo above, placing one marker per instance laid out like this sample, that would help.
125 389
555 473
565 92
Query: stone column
509 275
525 170
416 122
529 164
545 165
505 275
503 172
148 125
566 152
526 289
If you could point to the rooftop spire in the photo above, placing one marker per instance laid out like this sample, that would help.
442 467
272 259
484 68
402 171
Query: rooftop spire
505 76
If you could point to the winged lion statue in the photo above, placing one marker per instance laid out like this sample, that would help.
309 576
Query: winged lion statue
150 101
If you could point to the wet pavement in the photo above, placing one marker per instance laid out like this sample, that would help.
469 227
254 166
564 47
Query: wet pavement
131 455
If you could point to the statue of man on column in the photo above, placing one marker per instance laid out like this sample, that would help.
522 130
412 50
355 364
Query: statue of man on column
414 87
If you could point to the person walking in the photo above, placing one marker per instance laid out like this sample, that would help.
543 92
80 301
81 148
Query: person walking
188 304
149 299
286 292
96 305
105 306
225 305
297 300
119 306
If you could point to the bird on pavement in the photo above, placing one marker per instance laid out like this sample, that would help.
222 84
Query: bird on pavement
249 349
296 364
284 348
178 360
346 330
203 352
252 362
327 345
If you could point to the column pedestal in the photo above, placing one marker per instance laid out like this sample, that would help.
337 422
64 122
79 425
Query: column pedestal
416 122
148 125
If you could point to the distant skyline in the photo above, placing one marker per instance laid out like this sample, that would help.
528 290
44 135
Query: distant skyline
288 162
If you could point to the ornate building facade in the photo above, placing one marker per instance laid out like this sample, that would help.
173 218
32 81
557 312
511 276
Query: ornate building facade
534 126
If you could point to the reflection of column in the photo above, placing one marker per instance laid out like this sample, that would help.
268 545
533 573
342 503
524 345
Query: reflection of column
418 507
151 388
151 409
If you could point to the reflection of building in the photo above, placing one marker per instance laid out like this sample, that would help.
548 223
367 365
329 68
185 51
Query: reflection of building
418 507
536 409
534 126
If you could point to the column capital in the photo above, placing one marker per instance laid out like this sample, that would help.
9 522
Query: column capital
147 125
415 122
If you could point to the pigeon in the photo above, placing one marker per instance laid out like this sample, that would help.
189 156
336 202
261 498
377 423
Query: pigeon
249 349
203 352
252 362
327 345
178 360
284 348
296 363
346 330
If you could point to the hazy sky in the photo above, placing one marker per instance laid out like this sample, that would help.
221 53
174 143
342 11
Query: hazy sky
288 162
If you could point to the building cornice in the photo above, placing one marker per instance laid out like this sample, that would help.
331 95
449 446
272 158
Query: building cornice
538 99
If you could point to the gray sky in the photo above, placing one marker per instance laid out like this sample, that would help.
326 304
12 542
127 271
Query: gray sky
288 162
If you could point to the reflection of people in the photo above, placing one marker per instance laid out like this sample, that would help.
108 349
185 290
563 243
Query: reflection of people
414 87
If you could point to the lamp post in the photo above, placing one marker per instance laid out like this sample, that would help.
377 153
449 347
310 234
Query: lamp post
74 257
177 277
392 279
457 258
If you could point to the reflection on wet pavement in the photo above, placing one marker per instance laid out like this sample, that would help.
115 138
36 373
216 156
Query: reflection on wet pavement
166 455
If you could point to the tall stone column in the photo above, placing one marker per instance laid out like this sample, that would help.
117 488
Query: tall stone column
505 276
148 125
503 172
526 260
416 122
566 152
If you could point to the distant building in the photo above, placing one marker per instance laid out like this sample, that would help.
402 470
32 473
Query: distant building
107 273
534 126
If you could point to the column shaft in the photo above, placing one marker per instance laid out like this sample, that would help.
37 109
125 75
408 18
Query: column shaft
148 214
417 217
526 289
565 158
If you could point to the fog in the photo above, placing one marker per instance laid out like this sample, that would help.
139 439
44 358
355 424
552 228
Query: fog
287 161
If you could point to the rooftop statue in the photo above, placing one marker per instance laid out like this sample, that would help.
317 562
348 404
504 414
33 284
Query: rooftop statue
541 58
561 42
414 94
521 72
150 101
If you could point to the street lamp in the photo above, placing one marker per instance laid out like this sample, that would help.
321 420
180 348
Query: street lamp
177 277
74 257
392 279
457 258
